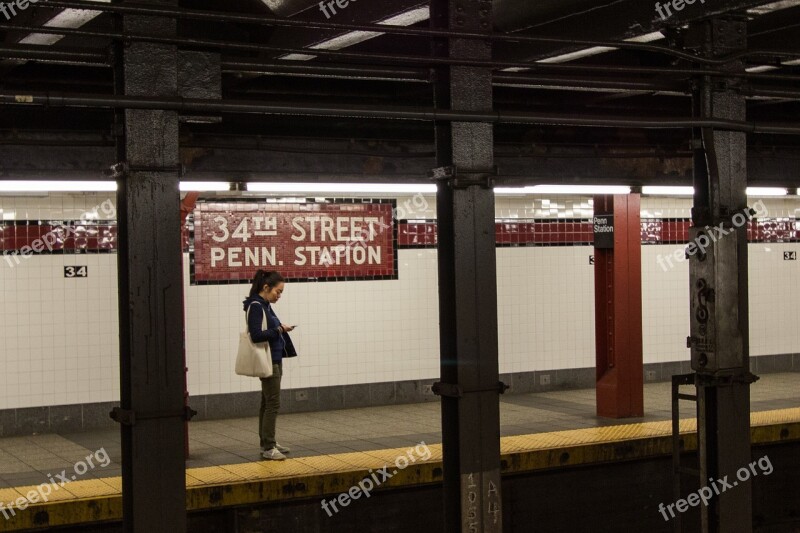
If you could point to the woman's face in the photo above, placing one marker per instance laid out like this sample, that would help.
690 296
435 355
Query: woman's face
273 294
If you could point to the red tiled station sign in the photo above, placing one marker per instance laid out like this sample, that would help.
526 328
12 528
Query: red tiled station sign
344 240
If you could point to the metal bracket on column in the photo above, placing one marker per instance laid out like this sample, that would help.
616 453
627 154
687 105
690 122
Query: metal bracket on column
120 169
461 178
453 390
724 380
693 342
129 418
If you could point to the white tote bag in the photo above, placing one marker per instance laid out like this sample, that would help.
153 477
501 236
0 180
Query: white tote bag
254 359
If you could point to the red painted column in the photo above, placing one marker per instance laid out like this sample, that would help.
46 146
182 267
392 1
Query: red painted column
618 306
187 206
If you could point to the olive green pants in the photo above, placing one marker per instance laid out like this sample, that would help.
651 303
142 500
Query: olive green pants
270 404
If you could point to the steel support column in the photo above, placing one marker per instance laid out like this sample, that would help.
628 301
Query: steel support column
152 409
718 286
618 306
469 384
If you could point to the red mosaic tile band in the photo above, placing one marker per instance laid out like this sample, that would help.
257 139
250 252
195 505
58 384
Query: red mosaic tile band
579 232
101 236
516 233
311 240
58 237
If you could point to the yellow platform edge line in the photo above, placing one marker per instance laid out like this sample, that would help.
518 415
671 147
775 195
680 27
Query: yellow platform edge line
519 454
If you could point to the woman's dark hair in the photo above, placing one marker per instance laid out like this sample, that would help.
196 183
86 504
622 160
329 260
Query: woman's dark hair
264 277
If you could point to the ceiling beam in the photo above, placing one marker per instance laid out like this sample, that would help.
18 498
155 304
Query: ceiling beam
605 20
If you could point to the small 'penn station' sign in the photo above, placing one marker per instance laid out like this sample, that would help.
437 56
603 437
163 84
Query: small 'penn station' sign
603 231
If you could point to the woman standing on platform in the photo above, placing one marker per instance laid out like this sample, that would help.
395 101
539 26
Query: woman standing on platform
266 290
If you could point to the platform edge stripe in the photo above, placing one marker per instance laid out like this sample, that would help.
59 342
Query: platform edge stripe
65 513
244 492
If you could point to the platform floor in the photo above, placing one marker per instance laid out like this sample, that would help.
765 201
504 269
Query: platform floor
29 460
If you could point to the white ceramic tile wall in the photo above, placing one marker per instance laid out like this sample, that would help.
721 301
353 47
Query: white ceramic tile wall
53 207
774 293
545 308
60 336
352 332
555 206
665 305
665 207
665 294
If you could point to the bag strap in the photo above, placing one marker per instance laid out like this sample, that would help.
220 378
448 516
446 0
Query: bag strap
247 318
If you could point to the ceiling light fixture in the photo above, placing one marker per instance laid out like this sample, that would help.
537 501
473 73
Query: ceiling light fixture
579 189
57 186
668 191
205 186
341 188
595 50
766 191
69 18
345 40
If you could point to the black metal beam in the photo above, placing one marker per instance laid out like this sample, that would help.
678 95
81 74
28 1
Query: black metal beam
391 58
256 158
327 26
469 384
152 412
607 21
355 15
554 40
289 68
194 105
719 329
779 30
86 58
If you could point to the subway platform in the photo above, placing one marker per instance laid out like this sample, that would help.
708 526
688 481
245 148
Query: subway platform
345 444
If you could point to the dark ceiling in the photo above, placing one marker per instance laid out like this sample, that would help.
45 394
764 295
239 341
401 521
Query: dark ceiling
627 81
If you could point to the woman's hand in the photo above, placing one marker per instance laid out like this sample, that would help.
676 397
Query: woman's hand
286 329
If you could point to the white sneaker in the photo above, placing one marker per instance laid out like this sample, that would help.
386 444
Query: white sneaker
273 454
282 449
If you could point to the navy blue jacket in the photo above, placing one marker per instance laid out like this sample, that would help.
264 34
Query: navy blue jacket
280 344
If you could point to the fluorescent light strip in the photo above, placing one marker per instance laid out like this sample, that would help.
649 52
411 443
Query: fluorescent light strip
579 189
646 38
595 50
689 191
766 191
578 54
57 186
510 191
354 37
760 68
69 18
668 191
342 188
564 189
19 186
204 186
587 52
774 6
377 188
